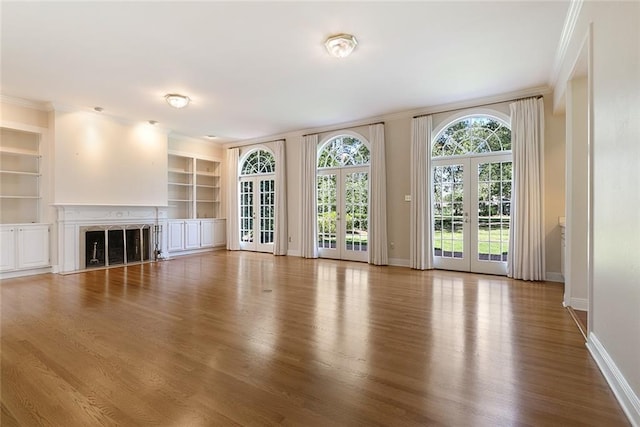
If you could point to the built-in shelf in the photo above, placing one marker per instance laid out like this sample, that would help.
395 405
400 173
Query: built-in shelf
20 176
194 187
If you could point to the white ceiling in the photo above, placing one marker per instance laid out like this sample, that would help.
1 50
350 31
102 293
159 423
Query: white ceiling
259 69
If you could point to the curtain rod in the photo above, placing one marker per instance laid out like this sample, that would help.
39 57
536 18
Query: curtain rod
476 106
348 127
256 143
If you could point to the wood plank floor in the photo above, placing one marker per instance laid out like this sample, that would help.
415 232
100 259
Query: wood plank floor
235 338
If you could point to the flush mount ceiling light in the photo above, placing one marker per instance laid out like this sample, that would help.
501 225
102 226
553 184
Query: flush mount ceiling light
176 100
341 45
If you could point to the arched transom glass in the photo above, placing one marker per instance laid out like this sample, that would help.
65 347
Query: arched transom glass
343 151
479 134
258 162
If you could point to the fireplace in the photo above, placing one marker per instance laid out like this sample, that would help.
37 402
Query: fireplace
105 246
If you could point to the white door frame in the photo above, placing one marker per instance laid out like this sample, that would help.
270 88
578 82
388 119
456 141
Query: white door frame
253 243
340 251
469 261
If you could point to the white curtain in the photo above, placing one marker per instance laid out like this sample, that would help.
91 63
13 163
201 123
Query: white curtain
421 251
526 240
378 198
281 237
309 153
233 225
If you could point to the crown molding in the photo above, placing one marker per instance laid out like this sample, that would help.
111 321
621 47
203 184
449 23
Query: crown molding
25 103
567 34
462 105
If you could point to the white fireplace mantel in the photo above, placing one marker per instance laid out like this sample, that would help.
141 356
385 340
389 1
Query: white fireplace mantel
73 217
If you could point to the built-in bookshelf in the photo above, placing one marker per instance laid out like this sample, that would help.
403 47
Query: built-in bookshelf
194 187
20 177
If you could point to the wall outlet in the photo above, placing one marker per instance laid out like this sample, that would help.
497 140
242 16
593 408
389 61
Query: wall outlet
407 197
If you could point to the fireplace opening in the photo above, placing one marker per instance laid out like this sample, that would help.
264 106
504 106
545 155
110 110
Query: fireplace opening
94 252
117 246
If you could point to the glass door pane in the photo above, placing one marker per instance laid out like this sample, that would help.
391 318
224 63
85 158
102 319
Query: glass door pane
246 215
493 210
267 212
356 215
450 216
327 205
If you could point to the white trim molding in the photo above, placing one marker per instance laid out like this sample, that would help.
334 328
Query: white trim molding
567 33
618 383
398 262
553 276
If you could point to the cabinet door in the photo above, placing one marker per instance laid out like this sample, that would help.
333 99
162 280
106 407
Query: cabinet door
175 236
206 233
33 246
220 232
7 248
192 234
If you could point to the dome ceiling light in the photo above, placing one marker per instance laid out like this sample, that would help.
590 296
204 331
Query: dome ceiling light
177 100
341 45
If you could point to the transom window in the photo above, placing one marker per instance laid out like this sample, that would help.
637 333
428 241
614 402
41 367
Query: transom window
343 151
259 162
471 135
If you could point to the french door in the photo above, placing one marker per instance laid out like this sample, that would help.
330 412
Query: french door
471 209
343 213
257 213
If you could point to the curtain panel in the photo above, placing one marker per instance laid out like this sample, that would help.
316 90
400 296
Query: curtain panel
233 225
421 251
309 153
526 259
280 244
378 254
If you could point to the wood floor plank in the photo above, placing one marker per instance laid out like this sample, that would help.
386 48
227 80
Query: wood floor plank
237 338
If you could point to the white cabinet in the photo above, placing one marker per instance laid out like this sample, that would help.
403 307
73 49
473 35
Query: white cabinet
219 232
175 236
24 246
192 234
207 239
195 234
8 248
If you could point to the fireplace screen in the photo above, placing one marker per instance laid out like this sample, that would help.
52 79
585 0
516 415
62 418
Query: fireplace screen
117 246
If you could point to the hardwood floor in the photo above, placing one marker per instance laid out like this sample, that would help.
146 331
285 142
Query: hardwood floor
239 338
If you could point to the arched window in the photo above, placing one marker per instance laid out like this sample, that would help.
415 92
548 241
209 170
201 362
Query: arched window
342 190
343 151
257 201
472 135
471 194
258 162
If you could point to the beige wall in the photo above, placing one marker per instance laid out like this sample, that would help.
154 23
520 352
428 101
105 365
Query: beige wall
102 161
614 58
398 149
576 269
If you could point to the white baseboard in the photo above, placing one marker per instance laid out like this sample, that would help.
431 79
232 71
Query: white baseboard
293 253
552 276
627 398
579 304
399 262
22 273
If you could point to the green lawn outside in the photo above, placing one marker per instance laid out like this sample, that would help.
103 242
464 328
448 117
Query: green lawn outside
453 241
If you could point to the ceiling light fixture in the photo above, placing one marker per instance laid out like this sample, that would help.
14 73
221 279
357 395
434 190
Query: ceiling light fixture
210 136
153 122
341 45
177 100
98 109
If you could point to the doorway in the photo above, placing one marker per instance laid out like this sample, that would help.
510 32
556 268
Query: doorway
342 191
471 196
